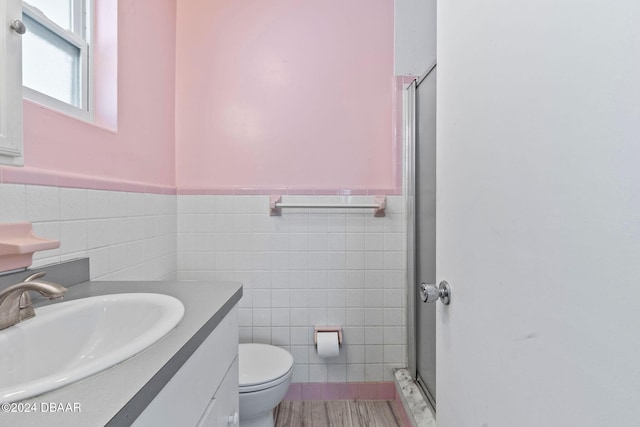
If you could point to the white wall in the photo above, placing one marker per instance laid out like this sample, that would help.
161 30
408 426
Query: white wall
415 36
305 268
539 213
128 236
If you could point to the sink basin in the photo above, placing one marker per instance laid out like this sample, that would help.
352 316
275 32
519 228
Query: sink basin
72 340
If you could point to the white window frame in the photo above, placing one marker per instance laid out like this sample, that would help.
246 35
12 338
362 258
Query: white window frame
11 147
78 38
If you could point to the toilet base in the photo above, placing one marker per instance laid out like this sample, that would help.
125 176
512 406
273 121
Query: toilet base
264 420
258 400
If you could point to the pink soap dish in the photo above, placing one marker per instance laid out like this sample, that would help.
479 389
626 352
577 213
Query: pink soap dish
18 243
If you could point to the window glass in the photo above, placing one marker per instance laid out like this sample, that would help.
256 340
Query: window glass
59 11
50 64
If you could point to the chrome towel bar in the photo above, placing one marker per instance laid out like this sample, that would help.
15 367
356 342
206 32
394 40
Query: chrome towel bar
379 204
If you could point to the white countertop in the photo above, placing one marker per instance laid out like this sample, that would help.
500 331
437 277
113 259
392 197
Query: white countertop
117 395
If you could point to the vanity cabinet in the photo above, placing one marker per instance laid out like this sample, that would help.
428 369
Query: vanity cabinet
204 391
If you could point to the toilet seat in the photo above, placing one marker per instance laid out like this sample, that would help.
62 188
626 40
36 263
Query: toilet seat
262 366
264 386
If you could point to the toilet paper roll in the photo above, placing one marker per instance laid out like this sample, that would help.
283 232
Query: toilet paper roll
328 344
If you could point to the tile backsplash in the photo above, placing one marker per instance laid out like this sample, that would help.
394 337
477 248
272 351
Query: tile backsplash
305 268
127 236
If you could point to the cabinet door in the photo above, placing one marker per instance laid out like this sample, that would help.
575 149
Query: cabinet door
210 415
223 409
188 395
227 397
11 83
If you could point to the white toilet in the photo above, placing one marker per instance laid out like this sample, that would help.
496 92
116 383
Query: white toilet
265 375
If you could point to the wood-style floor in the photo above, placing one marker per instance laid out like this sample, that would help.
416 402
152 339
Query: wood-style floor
337 413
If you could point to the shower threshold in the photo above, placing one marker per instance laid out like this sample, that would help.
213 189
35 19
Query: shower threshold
414 402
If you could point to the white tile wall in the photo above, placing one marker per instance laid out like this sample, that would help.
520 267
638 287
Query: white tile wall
127 236
307 267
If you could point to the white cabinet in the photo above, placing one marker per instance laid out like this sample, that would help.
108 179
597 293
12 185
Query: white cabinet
204 392
11 152
223 408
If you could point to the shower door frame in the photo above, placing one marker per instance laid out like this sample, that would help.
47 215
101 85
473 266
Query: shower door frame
410 185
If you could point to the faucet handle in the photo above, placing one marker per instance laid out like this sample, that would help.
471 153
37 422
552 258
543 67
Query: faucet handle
35 276
25 300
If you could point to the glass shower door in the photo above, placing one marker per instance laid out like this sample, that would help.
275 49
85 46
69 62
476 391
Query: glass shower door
421 188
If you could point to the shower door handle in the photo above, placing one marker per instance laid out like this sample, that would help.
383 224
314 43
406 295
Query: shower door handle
431 293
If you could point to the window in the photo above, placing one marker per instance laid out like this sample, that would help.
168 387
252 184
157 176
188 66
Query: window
55 55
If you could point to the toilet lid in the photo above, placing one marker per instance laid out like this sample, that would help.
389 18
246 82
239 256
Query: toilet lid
262 363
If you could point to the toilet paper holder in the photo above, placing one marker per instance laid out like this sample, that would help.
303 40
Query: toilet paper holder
317 329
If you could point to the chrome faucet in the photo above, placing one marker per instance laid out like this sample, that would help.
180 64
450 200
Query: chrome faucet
15 302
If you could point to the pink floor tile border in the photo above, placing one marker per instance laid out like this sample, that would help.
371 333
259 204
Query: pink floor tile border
342 391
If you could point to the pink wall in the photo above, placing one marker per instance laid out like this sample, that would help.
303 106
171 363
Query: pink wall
285 93
229 95
142 150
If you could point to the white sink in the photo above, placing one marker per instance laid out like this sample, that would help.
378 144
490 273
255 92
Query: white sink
72 340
